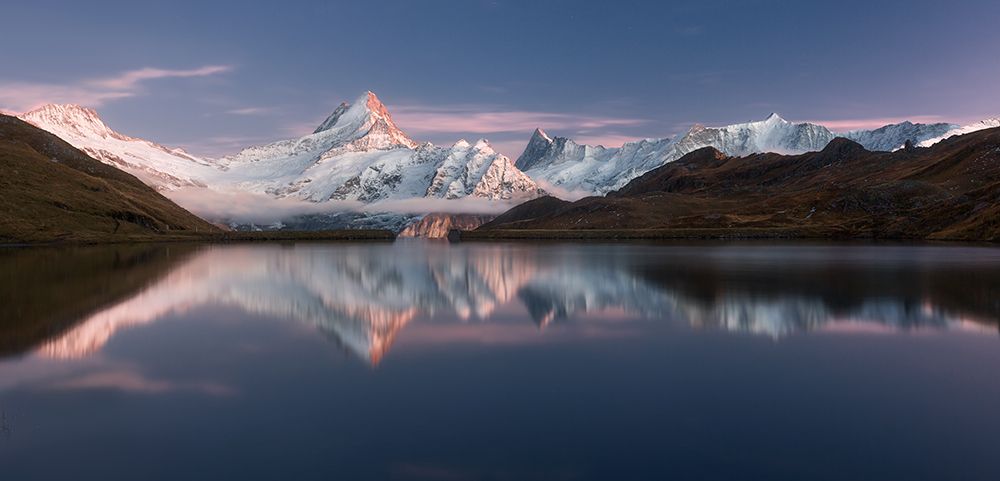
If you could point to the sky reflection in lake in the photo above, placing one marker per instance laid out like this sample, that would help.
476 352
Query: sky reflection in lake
423 360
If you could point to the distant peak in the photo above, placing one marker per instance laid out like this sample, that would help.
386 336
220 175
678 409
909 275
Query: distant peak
62 108
75 110
367 117
373 104
774 117
367 104
69 117
541 135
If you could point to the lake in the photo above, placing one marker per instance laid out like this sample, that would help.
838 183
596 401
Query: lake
435 361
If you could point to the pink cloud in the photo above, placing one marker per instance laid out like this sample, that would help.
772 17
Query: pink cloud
249 111
130 79
24 96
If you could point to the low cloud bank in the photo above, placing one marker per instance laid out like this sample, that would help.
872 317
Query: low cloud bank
562 192
220 206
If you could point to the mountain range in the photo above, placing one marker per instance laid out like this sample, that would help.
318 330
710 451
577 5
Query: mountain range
950 190
356 154
588 170
360 156
50 191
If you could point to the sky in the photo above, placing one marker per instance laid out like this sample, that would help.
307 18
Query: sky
216 76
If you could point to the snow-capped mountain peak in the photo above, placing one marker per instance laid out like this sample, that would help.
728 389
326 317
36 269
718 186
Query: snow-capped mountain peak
333 118
359 154
775 118
582 169
542 135
367 123
161 167
73 118
538 145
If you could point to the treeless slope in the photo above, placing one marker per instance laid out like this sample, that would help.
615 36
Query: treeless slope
50 191
948 191
529 210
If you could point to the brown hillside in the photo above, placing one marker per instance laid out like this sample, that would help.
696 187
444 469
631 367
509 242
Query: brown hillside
948 191
50 191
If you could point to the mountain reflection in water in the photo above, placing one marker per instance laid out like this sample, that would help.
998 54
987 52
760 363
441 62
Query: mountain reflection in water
363 295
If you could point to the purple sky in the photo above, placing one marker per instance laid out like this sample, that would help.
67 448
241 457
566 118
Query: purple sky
217 76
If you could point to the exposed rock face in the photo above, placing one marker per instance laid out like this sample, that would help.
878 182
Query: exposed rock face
437 226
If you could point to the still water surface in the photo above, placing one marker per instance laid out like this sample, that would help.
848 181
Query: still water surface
431 361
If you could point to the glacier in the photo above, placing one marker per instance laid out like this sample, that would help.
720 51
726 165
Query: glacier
965 129
358 156
160 167
577 170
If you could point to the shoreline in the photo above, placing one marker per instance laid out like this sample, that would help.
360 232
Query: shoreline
708 234
346 235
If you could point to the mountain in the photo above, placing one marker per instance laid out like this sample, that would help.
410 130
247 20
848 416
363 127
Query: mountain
51 191
437 226
160 167
948 191
586 170
956 130
894 136
359 154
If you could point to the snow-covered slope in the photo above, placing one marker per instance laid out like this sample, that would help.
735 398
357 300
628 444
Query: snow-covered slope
894 136
966 129
359 154
160 167
585 170
356 154
597 170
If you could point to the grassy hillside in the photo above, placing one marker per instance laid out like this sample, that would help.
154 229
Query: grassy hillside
949 191
50 191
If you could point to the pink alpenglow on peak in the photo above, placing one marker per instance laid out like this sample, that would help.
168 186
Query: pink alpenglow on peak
160 167
366 122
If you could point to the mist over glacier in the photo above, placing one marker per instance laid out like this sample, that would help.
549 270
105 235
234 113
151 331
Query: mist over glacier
250 207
